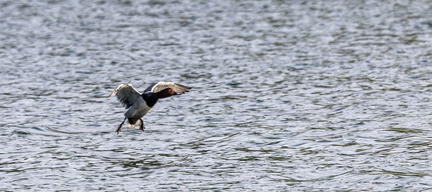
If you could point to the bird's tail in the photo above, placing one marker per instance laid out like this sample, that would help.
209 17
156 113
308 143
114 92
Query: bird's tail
133 122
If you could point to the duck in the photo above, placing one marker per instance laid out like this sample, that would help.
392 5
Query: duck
139 104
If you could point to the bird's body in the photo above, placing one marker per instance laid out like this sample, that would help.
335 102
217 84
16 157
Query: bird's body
139 104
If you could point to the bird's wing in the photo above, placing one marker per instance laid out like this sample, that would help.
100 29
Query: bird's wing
126 94
156 87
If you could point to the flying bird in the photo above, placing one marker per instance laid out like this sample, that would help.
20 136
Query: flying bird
139 104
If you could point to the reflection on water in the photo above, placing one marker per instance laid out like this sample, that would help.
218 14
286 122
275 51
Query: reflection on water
286 95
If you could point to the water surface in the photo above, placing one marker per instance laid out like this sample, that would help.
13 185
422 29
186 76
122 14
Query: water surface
287 95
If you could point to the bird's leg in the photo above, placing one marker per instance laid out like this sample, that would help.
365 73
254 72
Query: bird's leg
142 125
119 127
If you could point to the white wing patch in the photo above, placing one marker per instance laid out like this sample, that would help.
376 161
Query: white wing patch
180 89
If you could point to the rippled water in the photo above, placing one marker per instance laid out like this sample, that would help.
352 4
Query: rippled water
287 95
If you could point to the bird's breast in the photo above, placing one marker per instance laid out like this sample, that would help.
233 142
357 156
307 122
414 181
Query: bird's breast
150 99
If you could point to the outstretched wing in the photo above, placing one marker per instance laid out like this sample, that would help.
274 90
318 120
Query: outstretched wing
156 87
126 94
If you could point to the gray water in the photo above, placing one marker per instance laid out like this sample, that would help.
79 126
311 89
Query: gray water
287 95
